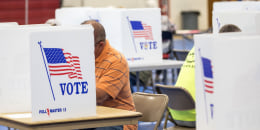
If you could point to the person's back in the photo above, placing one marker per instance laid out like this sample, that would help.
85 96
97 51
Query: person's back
186 79
112 76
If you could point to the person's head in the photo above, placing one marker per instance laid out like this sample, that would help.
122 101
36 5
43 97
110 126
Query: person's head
229 28
99 36
52 22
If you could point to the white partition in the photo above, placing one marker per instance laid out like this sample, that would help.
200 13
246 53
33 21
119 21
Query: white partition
244 14
8 24
230 101
49 71
236 6
203 47
75 16
134 32
247 21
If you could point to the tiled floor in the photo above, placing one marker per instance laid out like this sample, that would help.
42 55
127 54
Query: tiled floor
150 126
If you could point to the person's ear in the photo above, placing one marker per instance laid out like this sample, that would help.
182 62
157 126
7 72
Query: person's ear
101 43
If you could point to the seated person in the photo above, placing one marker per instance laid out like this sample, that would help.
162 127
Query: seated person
186 79
112 76
145 78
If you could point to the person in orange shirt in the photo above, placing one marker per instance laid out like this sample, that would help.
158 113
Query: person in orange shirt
112 76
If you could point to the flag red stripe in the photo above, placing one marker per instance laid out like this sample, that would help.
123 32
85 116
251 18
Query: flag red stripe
207 81
56 70
208 91
58 66
208 86
60 73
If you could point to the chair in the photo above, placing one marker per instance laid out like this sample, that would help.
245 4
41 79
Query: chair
152 106
180 54
141 78
179 99
182 44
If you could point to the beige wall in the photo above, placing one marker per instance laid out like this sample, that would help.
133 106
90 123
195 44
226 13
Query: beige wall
176 7
189 5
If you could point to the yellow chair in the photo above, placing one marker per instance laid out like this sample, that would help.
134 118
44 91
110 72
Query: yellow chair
152 106
179 99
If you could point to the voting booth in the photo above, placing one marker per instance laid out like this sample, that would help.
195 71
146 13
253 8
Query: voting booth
75 15
8 24
134 32
236 6
247 21
245 15
227 81
48 71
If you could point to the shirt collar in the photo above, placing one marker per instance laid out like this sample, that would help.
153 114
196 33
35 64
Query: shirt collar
101 56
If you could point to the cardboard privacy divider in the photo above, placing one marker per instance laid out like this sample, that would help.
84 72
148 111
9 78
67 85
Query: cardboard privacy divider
49 71
75 16
247 21
8 24
227 81
245 15
134 32
236 6
204 43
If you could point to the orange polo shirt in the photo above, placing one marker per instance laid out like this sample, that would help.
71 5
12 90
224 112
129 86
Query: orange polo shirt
112 76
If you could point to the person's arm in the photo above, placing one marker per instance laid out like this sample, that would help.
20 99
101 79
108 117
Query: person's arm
101 96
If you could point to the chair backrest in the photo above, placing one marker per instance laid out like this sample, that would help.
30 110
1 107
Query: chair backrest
180 54
152 106
179 98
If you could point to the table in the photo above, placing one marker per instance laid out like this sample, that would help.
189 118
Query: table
165 64
105 117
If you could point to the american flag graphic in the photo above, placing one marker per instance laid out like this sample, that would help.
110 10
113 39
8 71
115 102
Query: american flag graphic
208 75
141 30
62 63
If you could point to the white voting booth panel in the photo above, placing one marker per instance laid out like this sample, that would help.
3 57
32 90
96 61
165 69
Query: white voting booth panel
244 14
203 47
49 71
236 6
134 32
247 21
230 100
75 16
8 24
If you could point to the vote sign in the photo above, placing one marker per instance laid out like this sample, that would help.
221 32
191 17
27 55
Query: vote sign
49 71
63 74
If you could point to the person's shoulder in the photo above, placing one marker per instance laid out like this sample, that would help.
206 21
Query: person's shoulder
116 57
